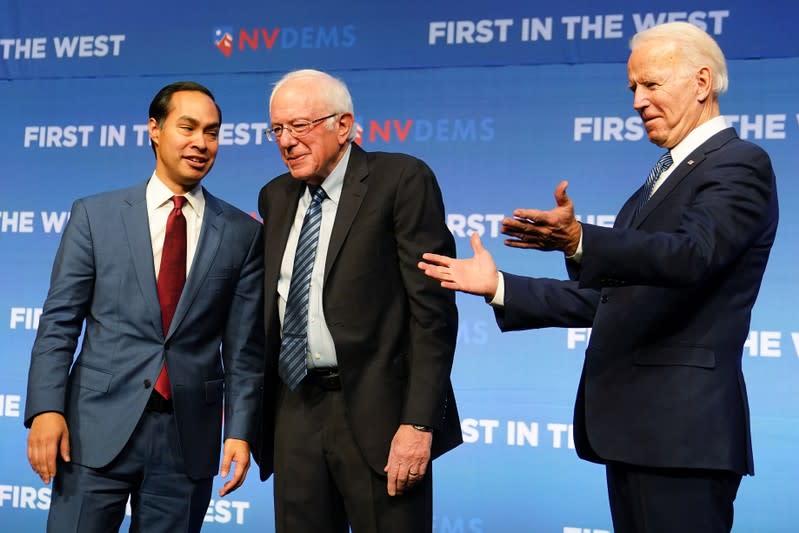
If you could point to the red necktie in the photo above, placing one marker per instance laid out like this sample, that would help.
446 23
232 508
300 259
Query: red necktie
171 277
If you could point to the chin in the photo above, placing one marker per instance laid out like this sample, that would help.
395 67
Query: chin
300 173
656 139
189 182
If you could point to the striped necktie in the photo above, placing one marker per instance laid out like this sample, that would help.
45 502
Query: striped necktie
293 347
660 167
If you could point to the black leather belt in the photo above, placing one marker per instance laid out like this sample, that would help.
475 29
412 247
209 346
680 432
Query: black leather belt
158 404
324 378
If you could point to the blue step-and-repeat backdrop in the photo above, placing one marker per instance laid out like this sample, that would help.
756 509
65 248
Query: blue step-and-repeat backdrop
503 100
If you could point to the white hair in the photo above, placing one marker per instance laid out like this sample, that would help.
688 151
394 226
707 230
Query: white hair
332 92
695 46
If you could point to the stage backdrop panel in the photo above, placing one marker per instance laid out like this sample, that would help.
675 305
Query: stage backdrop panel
503 101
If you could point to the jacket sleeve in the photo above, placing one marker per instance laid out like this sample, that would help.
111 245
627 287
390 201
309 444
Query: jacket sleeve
67 304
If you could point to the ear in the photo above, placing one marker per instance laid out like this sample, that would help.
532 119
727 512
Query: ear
344 125
155 131
704 83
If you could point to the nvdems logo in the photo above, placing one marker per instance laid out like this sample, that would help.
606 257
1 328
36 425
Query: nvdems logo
227 40
223 39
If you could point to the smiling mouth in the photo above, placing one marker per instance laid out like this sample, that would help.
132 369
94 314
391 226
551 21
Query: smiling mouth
196 160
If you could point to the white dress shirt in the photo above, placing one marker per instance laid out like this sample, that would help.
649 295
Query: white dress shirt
321 349
159 205
691 142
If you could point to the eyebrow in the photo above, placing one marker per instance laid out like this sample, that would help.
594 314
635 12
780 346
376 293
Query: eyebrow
194 122
298 119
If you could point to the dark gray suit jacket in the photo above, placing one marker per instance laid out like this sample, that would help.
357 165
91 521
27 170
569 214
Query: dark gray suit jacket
394 329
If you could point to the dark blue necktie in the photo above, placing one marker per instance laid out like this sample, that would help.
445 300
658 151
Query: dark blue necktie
291 366
660 167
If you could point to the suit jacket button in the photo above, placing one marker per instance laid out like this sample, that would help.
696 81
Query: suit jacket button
604 299
147 384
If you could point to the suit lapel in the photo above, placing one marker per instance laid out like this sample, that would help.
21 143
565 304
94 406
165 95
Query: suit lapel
687 166
625 217
669 185
277 224
352 194
283 207
137 230
207 247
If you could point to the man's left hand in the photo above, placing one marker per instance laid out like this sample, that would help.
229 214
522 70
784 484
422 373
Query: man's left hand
556 229
407 459
235 451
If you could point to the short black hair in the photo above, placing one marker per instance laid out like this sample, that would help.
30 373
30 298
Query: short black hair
161 104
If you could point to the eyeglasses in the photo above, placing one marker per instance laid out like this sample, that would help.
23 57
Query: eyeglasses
298 128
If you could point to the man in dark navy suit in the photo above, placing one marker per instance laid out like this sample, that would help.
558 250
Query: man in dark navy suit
668 293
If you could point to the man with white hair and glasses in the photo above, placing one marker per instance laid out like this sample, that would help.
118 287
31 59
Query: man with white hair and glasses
358 399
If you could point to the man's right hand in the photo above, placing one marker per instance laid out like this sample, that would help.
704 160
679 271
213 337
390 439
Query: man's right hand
48 435
476 275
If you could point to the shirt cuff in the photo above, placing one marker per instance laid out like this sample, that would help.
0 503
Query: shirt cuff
499 297
577 257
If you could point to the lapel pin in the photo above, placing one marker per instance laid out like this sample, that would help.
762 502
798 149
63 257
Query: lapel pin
690 161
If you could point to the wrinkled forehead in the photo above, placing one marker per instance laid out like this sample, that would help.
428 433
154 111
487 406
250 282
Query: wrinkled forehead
655 53
653 58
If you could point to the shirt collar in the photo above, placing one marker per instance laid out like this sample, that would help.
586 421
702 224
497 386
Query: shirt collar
334 182
697 137
157 195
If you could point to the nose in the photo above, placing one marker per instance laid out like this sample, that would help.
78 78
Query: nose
199 142
640 100
286 139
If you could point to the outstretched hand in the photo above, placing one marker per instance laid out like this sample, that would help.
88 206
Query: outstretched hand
476 275
556 229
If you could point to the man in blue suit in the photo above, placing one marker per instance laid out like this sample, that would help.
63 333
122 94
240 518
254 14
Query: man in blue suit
668 292
139 412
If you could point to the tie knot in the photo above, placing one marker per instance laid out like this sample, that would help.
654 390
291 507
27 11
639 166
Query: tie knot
317 193
664 162
179 201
